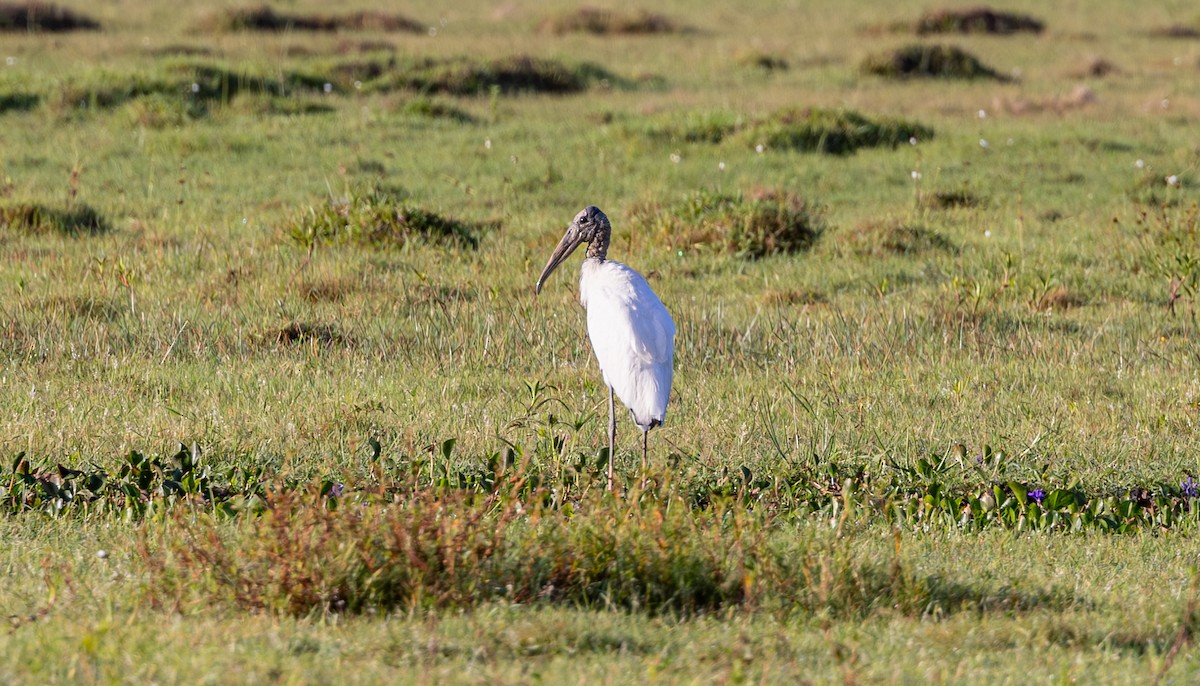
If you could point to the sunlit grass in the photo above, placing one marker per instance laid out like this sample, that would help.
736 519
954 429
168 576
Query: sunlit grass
990 338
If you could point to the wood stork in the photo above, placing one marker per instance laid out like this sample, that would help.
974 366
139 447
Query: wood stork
631 331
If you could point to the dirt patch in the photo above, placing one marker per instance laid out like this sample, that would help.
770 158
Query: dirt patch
264 18
929 61
606 22
976 20
42 16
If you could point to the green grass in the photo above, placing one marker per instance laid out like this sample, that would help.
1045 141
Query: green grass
396 472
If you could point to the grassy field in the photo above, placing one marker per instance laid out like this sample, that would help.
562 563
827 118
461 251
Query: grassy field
936 396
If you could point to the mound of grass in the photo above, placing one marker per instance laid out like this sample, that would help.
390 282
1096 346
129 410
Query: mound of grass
945 200
830 131
893 237
696 126
767 223
1184 31
976 20
264 18
812 129
473 76
36 218
183 89
430 108
380 219
18 101
296 333
608 22
929 61
43 16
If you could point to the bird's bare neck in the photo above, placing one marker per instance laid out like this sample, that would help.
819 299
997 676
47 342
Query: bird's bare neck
598 248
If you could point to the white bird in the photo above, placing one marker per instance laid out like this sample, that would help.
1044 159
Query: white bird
631 331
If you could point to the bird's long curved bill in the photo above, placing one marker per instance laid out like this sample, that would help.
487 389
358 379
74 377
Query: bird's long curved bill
566 246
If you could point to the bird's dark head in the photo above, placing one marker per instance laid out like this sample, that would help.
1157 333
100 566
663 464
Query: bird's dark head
590 226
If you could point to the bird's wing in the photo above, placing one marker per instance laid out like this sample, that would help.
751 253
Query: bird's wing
633 337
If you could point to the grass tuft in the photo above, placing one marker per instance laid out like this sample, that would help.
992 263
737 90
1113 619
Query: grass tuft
17 101
35 218
263 18
928 61
296 333
430 108
946 200
767 223
605 22
893 237
831 131
377 218
813 129
43 16
976 20
473 76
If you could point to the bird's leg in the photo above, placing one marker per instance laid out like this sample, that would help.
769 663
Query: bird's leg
644 435
612 435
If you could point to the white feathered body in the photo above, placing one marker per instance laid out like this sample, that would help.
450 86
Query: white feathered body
633 337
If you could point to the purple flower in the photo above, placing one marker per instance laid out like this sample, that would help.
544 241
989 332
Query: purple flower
336 490
1190 488
1037 495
